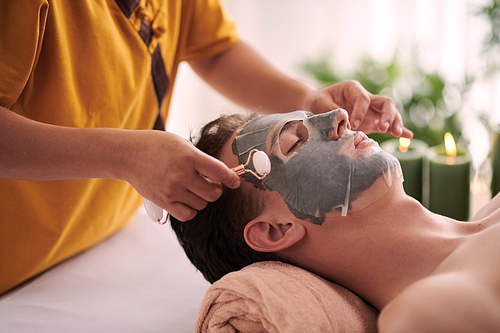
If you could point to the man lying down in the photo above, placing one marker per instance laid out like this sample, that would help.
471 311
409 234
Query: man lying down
334 204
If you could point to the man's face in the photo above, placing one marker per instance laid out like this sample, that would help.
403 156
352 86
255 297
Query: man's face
318 165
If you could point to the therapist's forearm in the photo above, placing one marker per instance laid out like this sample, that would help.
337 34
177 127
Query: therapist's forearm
245 77
30 150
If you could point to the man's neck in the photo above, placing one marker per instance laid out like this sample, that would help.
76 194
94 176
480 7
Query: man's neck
378 252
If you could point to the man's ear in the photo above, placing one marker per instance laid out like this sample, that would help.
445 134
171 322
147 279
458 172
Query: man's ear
268 235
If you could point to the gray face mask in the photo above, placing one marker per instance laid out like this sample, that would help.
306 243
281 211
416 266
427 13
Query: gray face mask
323 175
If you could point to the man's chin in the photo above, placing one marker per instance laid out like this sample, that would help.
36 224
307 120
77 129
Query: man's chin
378 190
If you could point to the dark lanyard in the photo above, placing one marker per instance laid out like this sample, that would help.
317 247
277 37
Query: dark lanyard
158 71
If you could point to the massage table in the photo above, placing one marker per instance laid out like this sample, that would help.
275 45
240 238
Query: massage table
138 280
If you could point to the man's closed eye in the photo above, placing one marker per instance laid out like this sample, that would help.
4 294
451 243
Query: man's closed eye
292 136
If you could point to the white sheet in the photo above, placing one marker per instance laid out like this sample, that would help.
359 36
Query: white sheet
139 280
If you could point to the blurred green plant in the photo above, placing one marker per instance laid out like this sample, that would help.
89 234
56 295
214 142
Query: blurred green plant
491 42
427 103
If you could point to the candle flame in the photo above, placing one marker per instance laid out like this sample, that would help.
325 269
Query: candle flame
404 143
449 144
451 148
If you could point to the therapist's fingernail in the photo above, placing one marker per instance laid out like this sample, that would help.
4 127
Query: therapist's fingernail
356 123
385 126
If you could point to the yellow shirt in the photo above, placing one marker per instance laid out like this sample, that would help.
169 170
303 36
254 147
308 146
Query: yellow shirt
88 63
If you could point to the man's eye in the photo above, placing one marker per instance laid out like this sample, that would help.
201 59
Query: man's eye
287 143
295 146
292 136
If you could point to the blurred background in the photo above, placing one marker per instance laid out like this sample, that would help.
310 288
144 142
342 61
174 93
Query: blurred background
438 59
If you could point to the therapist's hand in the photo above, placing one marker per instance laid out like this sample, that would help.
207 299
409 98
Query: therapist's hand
367 112
171 172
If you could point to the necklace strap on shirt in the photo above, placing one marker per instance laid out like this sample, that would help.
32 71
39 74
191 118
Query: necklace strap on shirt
158 70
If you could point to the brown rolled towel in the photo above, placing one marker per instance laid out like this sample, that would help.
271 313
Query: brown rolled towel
278 297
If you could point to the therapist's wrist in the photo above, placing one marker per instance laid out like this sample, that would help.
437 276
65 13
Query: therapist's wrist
312 101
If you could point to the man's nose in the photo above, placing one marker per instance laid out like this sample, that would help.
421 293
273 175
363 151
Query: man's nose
340 125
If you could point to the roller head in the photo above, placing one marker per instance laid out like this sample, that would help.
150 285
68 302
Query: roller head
261 163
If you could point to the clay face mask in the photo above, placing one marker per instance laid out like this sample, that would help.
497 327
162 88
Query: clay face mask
318 165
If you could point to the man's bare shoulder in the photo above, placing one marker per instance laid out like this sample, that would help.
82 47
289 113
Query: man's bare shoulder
462 295
478 256
446 302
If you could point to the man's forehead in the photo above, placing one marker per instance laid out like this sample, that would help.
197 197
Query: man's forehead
254 134
226 154
267 122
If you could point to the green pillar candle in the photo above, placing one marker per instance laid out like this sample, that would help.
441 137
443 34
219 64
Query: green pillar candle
412 162
495 165
449 182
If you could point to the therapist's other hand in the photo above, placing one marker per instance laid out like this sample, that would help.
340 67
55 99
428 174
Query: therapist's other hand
171 172
367 112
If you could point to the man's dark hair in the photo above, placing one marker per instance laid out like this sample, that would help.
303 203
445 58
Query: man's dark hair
213 240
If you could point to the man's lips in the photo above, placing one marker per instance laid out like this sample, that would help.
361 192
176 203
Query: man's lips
361 140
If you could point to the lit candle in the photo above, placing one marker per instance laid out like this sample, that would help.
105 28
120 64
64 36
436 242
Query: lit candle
449 179
410 154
